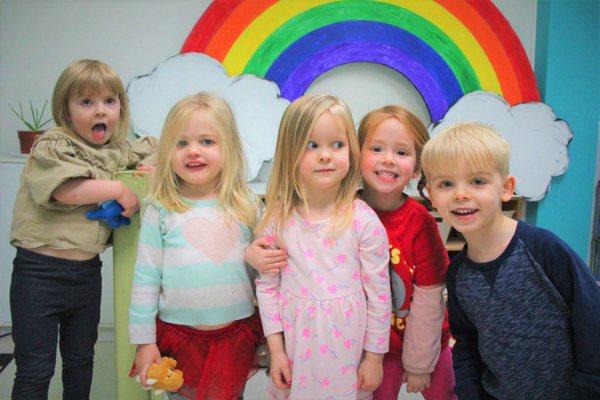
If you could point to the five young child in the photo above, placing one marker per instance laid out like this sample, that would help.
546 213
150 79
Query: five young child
350 285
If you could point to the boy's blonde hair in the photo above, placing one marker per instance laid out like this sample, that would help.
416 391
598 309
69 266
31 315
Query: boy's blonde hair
476 145
413 124
233 195
89 76
285 189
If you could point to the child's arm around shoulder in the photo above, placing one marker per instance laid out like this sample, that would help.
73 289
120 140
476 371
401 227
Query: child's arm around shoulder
262 254
573 279
263 257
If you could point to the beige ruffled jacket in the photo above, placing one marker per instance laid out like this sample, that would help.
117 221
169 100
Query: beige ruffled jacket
59 155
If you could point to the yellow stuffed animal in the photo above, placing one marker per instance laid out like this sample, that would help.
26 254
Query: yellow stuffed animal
164 377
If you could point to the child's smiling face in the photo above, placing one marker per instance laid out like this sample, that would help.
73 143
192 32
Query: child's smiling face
471 201
388 158
197 159
94 116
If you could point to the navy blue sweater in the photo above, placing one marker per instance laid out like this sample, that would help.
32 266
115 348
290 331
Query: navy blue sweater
527 325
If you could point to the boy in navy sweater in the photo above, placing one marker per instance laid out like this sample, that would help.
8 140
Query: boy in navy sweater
524 308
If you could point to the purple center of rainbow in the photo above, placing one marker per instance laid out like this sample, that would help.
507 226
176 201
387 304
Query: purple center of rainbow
362 41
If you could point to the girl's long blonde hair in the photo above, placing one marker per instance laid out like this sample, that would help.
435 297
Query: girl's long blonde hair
285 189
82 77
233 195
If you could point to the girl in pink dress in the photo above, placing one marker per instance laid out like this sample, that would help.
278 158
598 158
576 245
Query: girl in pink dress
326 313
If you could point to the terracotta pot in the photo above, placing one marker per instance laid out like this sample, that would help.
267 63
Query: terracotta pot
26 139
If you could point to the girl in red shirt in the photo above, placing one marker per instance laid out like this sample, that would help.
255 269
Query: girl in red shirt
391 139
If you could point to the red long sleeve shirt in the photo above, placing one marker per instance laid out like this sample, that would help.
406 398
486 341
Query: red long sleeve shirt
417 257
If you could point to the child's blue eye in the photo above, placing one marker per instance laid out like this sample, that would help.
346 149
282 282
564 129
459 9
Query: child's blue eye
181 143
86 102
478 181
338 144
207 142
445 184
401 152
311 145
376 149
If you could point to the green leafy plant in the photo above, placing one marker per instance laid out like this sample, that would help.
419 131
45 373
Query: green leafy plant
35 122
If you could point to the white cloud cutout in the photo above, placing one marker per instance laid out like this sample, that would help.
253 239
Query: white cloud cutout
538 140
255 102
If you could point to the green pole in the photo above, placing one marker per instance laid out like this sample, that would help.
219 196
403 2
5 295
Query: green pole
125 240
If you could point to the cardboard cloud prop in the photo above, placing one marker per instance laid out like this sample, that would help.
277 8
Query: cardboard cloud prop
255 102
538 140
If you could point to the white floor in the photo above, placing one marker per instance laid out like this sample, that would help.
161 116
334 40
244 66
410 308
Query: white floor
103 385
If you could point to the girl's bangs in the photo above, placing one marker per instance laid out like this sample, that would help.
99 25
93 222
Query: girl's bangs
97 82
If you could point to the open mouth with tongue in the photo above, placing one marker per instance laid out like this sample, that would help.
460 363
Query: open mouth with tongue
99 131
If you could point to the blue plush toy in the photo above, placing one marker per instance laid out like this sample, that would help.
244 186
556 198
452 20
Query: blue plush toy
110 213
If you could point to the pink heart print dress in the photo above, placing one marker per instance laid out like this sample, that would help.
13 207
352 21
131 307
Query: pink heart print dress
331 302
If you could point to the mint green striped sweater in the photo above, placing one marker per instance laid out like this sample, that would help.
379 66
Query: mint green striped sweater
189 269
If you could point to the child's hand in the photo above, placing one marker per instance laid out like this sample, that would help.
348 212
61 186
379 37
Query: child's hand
416 382
280 370
370 372
129 201
145 355
142 170
146 168
264 259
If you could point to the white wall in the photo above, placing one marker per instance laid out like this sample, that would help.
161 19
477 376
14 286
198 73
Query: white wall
38 38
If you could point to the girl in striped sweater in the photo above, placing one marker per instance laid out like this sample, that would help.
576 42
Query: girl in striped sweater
192 297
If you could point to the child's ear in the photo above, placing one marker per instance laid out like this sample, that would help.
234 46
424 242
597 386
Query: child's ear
508 188
417 172
429 196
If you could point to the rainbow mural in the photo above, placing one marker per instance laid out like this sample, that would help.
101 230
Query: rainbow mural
446 48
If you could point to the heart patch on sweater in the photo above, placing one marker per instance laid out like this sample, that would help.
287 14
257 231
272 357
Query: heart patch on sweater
215 239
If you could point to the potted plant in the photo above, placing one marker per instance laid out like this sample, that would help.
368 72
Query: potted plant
35 122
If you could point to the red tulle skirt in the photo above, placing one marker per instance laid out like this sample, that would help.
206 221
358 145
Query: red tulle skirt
215 364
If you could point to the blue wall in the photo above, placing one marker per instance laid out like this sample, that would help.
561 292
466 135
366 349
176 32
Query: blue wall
567 68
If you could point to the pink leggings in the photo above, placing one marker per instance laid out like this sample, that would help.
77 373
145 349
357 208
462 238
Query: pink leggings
442 379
